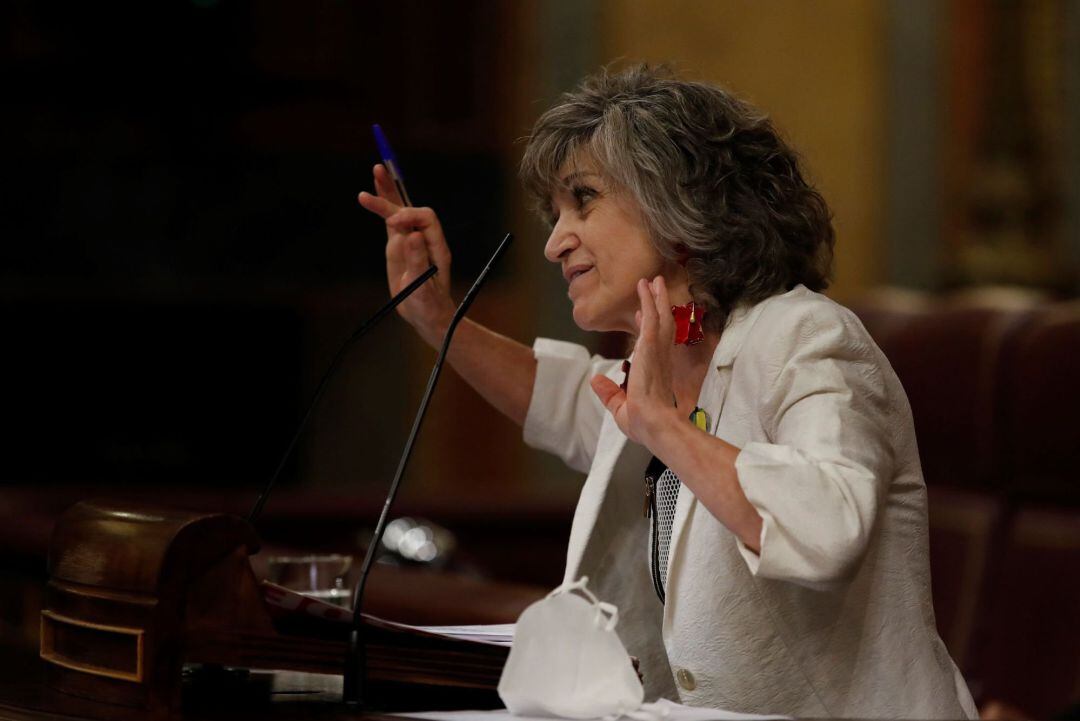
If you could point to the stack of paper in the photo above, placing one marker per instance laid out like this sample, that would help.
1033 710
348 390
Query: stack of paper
501 634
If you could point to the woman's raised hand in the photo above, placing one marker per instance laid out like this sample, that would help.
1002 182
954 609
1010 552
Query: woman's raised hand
414 240
647 406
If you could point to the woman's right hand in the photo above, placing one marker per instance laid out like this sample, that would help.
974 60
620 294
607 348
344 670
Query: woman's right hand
414 240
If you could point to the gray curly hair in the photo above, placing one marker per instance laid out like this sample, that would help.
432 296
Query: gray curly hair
718 187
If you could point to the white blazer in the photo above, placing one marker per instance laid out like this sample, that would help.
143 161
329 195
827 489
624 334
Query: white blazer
834 617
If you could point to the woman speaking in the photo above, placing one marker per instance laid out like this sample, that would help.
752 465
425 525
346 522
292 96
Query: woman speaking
754 502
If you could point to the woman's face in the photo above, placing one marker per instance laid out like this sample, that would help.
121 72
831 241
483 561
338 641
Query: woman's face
600 241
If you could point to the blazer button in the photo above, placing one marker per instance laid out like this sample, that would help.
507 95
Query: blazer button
686 679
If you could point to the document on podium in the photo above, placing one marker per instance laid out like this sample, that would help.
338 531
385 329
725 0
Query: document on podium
284 603
662 710
498 634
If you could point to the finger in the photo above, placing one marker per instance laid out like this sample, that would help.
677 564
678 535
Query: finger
666 325
416 257
649 317
418 218
384 185
608 391
659 293
396 262
427 222
380 206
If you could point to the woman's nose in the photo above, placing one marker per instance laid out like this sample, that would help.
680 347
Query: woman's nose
561 241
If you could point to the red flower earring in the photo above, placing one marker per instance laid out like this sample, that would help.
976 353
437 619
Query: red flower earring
688 330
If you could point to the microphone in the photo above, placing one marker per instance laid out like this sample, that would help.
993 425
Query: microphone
363 328
355 661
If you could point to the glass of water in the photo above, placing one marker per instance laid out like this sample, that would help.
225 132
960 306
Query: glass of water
318 576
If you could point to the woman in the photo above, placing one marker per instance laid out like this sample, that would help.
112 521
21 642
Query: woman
754 504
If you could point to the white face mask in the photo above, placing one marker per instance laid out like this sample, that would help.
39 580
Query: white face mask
567 660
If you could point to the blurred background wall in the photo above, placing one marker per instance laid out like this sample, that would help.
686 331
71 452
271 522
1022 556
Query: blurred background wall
181 251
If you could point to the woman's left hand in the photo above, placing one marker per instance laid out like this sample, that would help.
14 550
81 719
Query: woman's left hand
647 406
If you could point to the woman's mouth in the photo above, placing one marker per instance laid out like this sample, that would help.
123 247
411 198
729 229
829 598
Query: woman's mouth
575 272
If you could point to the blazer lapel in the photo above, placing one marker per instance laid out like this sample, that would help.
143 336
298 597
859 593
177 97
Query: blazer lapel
608 449
713 393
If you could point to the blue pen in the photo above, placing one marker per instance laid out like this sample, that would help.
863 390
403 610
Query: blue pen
391 163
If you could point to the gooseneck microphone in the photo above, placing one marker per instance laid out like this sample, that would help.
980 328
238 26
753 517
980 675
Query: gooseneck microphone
355 336
356 661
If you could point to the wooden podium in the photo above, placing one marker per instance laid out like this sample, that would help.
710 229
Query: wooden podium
135 592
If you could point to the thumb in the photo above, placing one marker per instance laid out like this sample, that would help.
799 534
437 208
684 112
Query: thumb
608 391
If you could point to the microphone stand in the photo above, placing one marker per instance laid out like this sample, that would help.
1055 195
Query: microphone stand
363 328
356 660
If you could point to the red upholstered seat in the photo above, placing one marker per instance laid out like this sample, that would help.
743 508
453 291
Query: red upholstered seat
1031 654
948 355
1040 432
963 528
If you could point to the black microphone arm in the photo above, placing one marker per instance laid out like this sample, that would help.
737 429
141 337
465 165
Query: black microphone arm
355 336
355 662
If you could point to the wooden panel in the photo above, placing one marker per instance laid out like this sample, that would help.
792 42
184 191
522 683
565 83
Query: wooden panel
92 545
110 651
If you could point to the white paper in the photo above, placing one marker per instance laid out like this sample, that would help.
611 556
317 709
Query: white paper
662 710
501 634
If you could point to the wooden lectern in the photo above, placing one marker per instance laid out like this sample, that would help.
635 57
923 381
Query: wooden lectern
135 592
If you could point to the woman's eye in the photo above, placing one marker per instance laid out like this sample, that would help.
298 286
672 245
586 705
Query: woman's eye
582 196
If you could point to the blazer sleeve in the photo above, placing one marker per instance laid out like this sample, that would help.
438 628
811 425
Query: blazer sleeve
564 414
826 411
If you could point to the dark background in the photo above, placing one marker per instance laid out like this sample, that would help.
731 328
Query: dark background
179 187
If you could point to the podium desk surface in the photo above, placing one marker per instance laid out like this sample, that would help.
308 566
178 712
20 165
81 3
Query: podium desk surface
264 696
268 697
